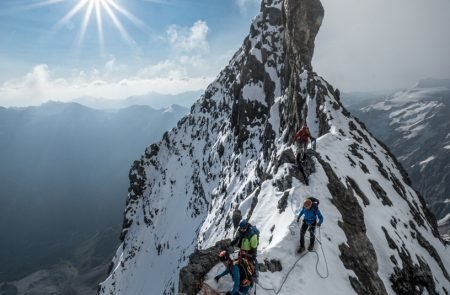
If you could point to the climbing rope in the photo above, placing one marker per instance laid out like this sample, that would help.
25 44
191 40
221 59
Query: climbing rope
293 266
284 280
320 243
324 258
298 259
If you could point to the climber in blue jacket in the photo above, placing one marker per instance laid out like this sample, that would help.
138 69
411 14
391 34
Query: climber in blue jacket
241 282
311 212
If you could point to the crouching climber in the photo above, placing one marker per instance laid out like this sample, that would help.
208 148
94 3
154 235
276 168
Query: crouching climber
241 270
247 239
311 212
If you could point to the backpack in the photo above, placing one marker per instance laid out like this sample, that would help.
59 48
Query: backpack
255 231
315 204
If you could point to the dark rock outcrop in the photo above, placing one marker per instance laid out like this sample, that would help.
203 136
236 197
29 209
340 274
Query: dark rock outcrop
302 21
200 263
359 254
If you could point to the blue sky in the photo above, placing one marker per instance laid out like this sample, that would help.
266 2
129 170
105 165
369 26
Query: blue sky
28 33
168 40
178 45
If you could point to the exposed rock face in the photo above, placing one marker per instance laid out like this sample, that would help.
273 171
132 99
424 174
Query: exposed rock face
359 254
302 20
233 152
200 262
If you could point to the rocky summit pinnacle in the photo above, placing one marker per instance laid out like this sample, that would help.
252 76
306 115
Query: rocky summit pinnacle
233 156
302 20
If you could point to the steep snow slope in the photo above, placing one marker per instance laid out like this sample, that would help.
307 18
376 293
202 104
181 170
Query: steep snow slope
232 152
415 124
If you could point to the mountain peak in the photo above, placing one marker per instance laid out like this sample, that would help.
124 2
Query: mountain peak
302 20
234 152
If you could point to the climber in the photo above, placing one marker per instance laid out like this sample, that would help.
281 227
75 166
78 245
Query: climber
247 239
241 271
311 212
301 138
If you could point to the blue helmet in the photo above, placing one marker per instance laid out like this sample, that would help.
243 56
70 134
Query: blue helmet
243 224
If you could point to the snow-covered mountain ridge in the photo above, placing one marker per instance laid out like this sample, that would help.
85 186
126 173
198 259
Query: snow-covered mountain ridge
233 152
415 124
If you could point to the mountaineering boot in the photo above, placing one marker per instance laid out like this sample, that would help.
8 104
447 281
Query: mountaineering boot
311 248
301 249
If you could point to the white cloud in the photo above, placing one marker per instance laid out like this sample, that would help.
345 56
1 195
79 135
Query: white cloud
39 86
189 39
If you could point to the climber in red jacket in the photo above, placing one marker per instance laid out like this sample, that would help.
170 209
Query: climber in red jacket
302 137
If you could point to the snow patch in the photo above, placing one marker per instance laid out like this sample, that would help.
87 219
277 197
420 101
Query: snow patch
254 92
424 162
444 220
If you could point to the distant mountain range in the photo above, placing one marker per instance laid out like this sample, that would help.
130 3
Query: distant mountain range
415 125
63 182
152 99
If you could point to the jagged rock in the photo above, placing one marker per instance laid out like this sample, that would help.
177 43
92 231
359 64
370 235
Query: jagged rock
359 254
200 263
237 216
282 203
273 266
358 191
302 22
412 278
380 193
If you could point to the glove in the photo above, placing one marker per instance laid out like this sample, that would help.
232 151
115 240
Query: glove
217 278
319 225
298 220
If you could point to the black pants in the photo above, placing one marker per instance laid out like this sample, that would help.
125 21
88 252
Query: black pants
312 234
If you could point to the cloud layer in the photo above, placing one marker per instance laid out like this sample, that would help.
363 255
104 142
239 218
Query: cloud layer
383 44
38 85
186 70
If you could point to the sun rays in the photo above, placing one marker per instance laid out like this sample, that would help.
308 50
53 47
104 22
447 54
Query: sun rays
101 11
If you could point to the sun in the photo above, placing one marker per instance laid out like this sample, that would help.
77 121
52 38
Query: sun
99 9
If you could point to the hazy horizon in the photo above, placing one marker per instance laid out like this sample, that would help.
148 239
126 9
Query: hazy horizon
64 50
